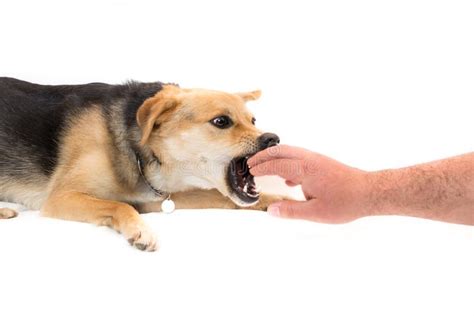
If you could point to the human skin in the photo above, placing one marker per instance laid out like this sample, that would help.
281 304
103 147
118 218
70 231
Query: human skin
336 193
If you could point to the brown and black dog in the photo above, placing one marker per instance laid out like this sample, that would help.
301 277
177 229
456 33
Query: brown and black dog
102 153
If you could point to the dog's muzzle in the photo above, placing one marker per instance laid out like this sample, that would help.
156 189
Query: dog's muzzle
240 181
267 140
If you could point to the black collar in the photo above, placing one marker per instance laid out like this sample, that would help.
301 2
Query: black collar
140 170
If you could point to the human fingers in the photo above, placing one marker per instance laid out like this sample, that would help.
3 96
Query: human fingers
278 152
293 209
311 210
290 184
289 169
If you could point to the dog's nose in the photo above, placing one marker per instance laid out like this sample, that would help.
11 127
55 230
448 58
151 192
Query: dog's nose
267 140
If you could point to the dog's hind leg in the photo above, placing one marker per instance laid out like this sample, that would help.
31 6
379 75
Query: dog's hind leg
122 217
7 213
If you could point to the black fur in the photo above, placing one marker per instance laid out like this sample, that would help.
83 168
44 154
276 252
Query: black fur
32 117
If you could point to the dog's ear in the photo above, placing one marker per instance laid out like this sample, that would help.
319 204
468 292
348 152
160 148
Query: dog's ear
153 111
250 96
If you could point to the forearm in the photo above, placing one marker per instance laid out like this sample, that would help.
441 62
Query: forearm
440 190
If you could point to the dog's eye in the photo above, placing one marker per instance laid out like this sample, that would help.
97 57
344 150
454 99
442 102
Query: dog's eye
222 121
253 120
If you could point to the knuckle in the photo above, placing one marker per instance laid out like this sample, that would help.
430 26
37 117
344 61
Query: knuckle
266 167
258 158
288 210
310 167
274 151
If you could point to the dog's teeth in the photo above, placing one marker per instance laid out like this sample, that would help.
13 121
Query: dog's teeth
246 187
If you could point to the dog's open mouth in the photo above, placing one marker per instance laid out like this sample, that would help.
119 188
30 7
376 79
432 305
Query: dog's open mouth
241 182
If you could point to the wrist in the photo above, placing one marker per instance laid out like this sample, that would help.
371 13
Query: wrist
376 188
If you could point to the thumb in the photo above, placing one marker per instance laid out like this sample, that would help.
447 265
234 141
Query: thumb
293 209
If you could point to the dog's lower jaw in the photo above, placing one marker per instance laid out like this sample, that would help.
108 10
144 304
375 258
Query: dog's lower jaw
237 201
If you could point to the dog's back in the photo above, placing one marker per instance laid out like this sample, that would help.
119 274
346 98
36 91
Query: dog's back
33 119
30 125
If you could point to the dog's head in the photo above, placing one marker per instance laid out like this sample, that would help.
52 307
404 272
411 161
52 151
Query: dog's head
203 139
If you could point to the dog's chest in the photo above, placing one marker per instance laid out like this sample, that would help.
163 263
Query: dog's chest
142 196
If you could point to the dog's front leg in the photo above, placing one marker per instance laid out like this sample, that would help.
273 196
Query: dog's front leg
76 206
196 199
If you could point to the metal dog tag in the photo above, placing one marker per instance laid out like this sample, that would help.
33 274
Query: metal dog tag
168 206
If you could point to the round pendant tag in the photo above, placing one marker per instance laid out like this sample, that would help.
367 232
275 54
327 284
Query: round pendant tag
167 206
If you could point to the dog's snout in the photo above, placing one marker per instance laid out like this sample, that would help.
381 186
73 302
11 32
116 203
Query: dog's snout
267 140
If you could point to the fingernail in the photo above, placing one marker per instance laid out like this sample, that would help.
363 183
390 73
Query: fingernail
274 209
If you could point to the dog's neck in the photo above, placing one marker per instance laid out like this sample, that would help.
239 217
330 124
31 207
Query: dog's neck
140 167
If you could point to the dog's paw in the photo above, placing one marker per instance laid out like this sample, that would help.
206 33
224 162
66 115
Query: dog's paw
141 237
265 200
7 213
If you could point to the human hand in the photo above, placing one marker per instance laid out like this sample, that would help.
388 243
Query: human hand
334 192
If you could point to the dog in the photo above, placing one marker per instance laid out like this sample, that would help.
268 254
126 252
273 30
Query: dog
102 154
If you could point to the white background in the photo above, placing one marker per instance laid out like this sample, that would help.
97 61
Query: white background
374 84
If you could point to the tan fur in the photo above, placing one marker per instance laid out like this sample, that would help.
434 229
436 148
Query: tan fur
184 132
7 213
153 110
250 96
173 127
31 193
122 217
198 199
86 162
